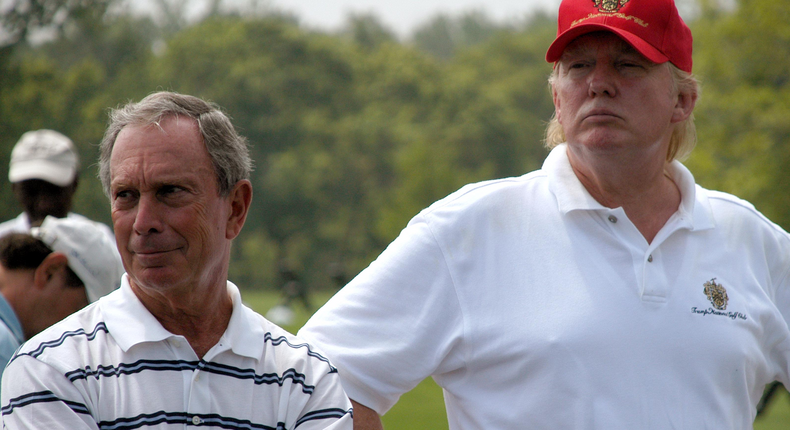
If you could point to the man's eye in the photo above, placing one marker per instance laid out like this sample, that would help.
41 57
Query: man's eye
169 190
123 197
122 194
631 64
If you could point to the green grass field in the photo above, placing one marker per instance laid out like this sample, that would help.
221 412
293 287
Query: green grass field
423 407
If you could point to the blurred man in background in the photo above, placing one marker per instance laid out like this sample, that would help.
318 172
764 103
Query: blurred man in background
44 173
604 291
49 273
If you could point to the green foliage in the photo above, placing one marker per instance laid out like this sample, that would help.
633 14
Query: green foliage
444 36
367 31
353 134
776 415
743 57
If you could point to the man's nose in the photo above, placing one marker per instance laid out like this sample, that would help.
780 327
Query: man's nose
602 80
148 218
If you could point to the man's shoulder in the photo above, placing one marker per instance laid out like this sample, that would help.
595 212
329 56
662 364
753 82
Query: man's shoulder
65 338
490 194
277 350
727 206
286 350
734 213
18 224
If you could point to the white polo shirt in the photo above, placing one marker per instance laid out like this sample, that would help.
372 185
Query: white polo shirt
113 366
534 306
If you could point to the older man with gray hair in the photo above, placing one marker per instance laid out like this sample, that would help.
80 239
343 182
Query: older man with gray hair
174 346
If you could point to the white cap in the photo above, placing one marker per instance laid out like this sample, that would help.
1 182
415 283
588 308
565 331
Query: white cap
46 155
91 254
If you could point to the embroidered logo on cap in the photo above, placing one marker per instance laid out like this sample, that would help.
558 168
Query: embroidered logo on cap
607 8
716 294
609 5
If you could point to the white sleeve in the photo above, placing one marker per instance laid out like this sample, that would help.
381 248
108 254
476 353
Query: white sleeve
328 407
396 323
37 396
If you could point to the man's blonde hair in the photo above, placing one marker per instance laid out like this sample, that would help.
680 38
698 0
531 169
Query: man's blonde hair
683 139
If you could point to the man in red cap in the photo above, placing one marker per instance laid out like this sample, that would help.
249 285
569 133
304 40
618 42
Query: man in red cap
604 291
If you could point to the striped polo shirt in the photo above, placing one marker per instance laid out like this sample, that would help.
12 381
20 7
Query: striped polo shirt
112 366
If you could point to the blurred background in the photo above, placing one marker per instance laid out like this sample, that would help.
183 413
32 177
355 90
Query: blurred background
359 114
358 121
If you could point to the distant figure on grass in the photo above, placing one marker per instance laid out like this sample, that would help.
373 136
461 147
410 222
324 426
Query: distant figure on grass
44 173
49 273
174 346
291 289
603 291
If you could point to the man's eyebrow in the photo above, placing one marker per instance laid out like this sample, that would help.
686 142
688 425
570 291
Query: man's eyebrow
575 49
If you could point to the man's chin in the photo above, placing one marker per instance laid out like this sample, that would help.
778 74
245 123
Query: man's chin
154 259
159 278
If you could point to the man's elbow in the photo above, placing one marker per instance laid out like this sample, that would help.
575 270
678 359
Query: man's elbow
366 418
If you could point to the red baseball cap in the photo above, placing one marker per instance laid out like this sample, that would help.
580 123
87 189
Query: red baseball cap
652 27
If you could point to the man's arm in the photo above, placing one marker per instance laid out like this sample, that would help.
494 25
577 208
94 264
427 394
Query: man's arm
366 418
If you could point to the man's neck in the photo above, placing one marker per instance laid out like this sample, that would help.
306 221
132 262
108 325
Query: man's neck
644 190
201 318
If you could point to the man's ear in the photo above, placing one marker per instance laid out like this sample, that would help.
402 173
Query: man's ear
239 199
684 106
53 266
555 98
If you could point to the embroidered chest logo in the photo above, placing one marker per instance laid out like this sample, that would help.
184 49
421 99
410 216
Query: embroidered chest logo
609 6
716 294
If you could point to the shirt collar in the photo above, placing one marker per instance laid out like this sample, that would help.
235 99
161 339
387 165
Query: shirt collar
131 323
572 195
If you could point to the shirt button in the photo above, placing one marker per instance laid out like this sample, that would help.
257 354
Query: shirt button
196 420
650 258
612 219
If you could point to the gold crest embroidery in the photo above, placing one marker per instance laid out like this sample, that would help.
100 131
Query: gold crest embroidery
716 294
609 6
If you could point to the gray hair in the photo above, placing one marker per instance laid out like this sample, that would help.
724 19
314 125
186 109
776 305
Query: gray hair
228 150
684 137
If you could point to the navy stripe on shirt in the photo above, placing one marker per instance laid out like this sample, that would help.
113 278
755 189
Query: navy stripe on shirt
310 352
42 397
322 414
182 365
213 420
59 341
102 327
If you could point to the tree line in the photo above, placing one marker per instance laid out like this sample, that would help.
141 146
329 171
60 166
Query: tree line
353 132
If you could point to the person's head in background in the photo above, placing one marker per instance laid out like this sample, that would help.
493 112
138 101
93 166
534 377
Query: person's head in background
55 270
43 174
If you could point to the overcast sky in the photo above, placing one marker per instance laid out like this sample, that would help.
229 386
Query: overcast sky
404 15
